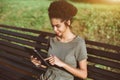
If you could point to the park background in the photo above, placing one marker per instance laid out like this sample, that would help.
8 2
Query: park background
96 20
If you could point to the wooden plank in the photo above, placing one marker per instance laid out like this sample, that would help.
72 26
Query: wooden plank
4 77
106 46
18 34
22 53
107 74
13 46
16 66
19 60
24 42
105 54
14 51
20 68
13 39
96 76
24 36
9 44
104 62
27 30
8 73
16 59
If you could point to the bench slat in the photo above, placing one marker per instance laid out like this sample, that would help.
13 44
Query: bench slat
104 62
13 75
24 36
22 70
103 54
17 67
25 29
107 74
4 76
18 34
9 44
108 46
13 47
14 51
24 42
18 60
97 76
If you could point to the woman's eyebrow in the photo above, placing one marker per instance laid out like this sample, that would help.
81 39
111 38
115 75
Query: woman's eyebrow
56 25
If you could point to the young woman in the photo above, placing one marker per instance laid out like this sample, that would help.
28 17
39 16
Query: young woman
67 52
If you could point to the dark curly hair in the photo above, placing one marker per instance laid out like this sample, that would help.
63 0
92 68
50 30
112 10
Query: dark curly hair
62 9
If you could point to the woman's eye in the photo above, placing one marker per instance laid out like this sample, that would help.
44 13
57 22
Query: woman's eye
58 26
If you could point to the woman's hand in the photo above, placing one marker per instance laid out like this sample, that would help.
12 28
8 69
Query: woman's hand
54 60
37 62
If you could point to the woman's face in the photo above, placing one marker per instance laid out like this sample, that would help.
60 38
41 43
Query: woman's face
59 26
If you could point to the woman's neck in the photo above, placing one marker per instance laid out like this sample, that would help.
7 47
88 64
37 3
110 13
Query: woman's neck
66 37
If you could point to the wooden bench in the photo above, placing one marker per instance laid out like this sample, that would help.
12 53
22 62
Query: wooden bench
103 59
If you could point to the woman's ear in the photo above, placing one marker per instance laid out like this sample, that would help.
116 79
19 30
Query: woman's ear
68 22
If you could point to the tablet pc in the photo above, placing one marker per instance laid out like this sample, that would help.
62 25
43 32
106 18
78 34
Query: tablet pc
38 55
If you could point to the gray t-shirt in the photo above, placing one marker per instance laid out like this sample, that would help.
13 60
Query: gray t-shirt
70 52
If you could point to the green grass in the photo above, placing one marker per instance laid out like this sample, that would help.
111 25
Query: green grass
94 21
24 13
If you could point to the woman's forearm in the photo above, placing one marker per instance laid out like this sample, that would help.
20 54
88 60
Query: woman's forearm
78 72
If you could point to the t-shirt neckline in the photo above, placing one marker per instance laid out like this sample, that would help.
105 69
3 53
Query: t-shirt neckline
65 42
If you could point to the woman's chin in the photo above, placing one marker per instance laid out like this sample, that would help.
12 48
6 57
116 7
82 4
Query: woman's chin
58 34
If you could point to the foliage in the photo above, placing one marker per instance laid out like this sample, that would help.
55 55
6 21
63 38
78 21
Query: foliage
99 22
96 22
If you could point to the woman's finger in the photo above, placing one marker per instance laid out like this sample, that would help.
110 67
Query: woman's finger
35 58
52 60
31 57
43 66
47 58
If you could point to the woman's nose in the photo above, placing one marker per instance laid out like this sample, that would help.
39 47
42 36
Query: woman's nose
54 28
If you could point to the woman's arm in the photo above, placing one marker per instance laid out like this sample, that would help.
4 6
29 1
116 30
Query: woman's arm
80 72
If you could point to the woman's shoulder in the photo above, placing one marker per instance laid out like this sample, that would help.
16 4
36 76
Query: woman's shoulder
80 39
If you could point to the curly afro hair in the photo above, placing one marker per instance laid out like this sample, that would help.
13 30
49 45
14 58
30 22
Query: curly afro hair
62 9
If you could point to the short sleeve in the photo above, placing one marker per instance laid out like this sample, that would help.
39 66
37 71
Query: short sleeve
81 51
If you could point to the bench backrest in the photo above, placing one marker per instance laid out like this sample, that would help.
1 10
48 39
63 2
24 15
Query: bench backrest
103 59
